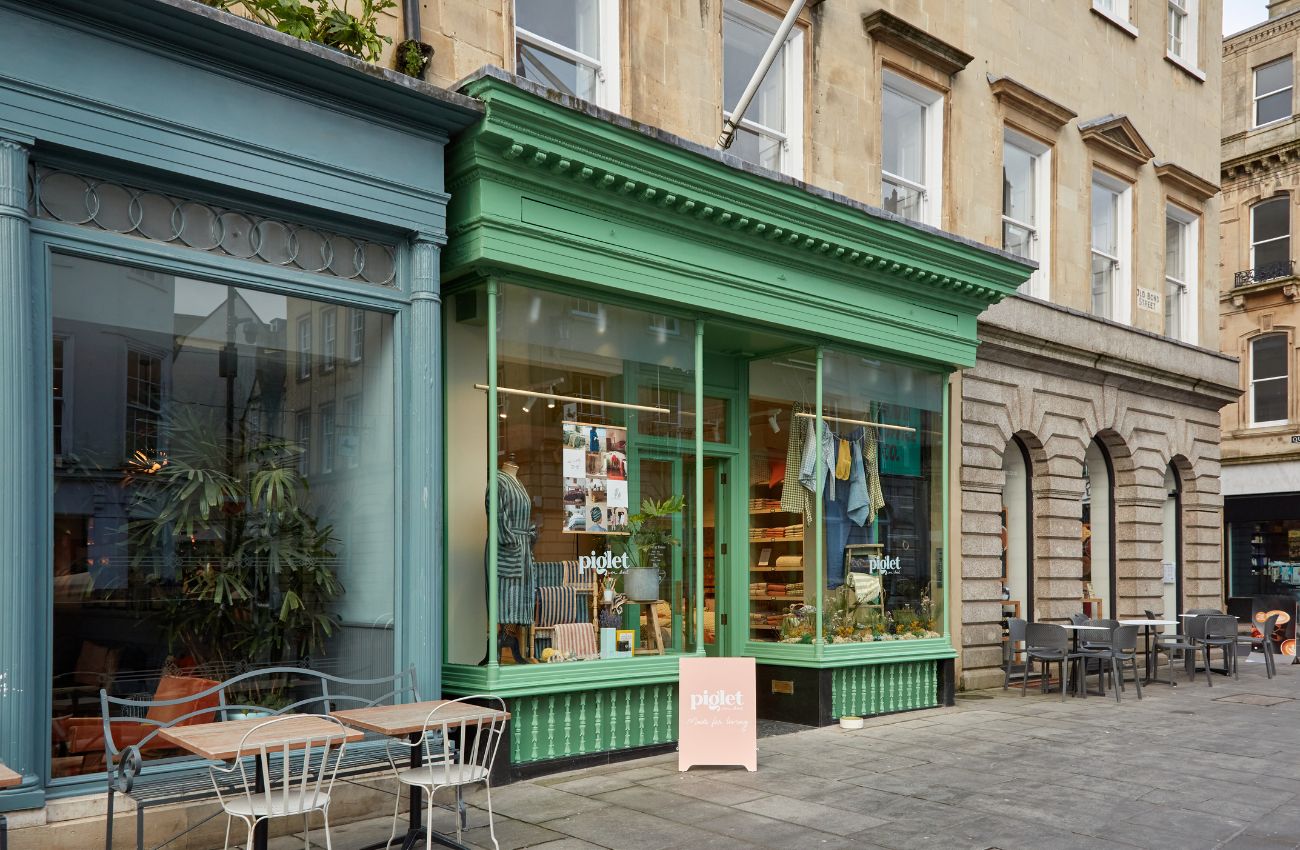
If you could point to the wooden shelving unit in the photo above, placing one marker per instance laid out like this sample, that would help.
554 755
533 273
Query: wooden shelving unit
763 603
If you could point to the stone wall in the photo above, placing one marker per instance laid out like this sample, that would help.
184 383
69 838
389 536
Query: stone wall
1150 401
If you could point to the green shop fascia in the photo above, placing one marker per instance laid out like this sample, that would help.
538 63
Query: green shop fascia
717 416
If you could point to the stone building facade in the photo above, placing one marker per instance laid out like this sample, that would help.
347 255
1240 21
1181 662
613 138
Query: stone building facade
1260 304
1138 386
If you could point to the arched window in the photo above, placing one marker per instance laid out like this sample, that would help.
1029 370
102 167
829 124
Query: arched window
1270 239
1098 527
1018 528
1172 555
1269 380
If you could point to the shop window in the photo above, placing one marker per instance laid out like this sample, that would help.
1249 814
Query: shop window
1270 238
1026 206
1269 389
570 46
1017 532
911 149
869 493
1172 547
771 132
1264 557
594 418
1274 83
153 577
1180 274
1098 522
1111 211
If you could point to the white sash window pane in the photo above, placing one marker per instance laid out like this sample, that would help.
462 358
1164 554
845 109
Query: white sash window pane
744 44
1105 236
1103 277
904 136
1270 233
553 71
1018 184
757 148
1273 86
902 199
572 23
1018 240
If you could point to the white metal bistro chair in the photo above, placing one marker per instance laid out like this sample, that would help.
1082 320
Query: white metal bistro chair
457 751
282 776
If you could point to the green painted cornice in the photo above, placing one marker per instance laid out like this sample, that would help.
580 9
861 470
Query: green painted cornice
564 146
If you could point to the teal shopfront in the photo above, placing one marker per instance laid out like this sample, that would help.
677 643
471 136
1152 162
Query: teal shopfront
633 320
219 331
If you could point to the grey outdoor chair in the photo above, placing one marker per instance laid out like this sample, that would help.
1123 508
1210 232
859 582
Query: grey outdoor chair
1046 643
1123 650
1201 612
1266 640
1078 618
1220 631
1015 642
1172 644
1095 647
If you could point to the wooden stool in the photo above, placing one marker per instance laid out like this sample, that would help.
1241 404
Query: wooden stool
652 619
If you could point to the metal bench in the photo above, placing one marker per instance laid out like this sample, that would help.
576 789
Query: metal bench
186 779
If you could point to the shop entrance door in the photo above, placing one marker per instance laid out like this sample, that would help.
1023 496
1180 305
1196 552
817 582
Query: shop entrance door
713 516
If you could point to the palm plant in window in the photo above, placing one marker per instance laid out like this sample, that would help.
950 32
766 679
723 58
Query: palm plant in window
242 571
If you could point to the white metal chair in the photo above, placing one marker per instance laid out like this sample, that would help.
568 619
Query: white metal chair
301 785
457 751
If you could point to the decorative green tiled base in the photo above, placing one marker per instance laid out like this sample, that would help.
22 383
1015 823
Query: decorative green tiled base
884 688
555 726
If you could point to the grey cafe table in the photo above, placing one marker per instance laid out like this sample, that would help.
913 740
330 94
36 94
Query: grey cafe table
1147 632
1074 629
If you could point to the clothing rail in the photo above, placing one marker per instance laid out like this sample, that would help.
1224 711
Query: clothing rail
593 401
863 422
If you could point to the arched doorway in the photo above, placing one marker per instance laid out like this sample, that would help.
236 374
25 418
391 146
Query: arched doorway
1018 528
1099 527
1172 554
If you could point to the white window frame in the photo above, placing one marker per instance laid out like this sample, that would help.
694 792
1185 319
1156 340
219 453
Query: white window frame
932 101
356 335
1285 200
605 65
1039 283
352 413
131 407
302 435
1186 53
1254 82
791 139
1117 12
304 347
329 333
1121 295
1191 226
328 435
1285 377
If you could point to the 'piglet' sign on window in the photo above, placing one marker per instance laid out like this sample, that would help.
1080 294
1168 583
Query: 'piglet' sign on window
717 717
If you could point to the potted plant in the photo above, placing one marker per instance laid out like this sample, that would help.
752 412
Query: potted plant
649 539
243 570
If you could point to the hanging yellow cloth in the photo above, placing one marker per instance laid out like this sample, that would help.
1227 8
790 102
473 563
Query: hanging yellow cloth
843 460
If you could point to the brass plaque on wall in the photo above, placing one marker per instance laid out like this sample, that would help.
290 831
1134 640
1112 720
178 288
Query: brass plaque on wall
782 686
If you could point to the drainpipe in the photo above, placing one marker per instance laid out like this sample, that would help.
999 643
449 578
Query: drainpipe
778 41
411 19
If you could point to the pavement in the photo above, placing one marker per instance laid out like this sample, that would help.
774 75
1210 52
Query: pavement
1186 767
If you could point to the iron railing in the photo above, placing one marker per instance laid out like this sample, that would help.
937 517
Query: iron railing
1259 274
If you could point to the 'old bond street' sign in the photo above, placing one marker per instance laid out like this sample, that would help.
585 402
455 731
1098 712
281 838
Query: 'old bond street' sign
716 711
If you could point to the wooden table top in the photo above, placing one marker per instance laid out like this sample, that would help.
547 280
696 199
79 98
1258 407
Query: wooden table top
9 778
220 740
405 719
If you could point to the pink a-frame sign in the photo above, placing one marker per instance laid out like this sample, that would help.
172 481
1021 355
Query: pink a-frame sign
717 714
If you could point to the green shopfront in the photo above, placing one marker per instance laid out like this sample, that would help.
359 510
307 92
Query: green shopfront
707 411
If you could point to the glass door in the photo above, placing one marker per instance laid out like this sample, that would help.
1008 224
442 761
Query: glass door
713 517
